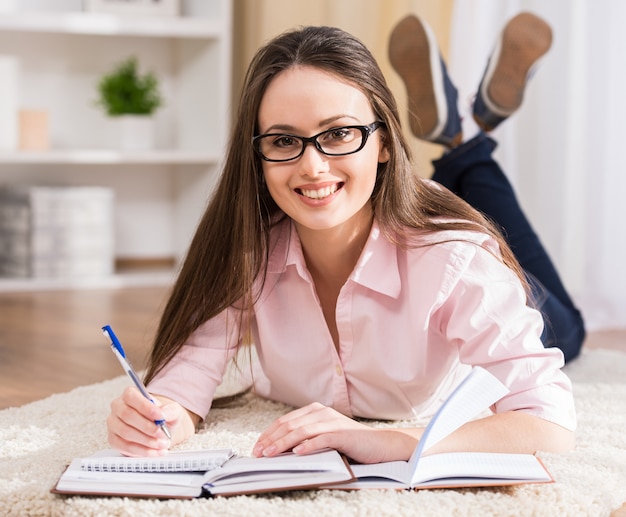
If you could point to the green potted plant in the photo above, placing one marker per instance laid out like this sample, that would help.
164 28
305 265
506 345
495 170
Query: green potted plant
133 98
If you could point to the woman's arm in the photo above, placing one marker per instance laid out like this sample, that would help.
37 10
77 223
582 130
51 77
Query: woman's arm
317 427
511 431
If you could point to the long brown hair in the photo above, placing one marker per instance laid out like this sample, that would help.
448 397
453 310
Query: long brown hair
230 247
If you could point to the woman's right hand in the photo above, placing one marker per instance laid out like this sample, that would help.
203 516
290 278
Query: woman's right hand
131 427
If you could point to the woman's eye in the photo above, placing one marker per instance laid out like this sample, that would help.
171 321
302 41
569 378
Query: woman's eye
341 134
285 141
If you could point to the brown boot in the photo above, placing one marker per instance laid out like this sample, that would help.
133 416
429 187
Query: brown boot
433 111
523 41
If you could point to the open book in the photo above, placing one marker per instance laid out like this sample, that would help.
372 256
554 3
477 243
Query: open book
227 475
476 393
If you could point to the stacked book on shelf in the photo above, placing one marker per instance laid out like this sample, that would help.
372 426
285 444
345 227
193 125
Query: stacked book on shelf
56 231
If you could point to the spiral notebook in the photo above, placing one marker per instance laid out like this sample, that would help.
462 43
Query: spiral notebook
238 475
109 460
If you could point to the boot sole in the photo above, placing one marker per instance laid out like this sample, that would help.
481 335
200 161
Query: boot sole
525 39
409 54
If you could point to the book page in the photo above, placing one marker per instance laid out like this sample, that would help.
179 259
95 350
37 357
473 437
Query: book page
479 466
325 461
453 469
286 471
399 471
479 390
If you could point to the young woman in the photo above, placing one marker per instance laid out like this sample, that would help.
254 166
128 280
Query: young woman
367 291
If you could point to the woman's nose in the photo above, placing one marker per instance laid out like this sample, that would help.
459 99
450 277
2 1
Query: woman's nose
313 162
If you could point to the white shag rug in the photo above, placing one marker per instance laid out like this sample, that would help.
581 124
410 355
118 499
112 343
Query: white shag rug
39 439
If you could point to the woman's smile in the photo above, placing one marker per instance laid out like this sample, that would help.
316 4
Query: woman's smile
319 193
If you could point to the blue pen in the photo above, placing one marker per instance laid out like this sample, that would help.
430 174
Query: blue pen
116 346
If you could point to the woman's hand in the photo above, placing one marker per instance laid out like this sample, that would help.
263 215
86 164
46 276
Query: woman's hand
315 427
131 426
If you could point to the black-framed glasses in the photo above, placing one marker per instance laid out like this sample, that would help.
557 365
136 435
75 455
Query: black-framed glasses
338 141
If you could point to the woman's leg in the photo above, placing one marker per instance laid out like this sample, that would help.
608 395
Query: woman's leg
470 171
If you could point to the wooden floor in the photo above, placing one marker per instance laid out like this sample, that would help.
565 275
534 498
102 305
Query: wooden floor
51 342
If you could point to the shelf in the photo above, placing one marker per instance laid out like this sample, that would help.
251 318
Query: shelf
159 194
136 279
104 156
111 25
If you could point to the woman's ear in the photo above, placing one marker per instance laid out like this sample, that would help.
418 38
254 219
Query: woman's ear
383 153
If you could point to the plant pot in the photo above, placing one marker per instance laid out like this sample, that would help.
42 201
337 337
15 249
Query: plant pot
136 132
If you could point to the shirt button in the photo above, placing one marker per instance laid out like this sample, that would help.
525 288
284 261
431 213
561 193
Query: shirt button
338 370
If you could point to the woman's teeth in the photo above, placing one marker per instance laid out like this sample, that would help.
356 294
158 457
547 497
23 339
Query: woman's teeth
320 193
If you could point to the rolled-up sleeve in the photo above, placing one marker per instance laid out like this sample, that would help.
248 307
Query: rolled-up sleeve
193 374
486 316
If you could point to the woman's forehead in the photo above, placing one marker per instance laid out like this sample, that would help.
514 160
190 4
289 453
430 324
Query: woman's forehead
305 94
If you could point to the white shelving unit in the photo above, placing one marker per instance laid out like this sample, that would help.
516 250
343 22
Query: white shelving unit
160 194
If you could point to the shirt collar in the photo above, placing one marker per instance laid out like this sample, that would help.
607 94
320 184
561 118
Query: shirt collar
376 269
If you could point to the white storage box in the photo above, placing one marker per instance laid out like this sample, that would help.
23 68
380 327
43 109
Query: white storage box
52 232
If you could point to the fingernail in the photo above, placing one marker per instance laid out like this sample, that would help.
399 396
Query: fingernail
298 449
268 451
258 450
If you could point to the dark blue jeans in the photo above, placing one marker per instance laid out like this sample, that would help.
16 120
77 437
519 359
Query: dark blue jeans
471 172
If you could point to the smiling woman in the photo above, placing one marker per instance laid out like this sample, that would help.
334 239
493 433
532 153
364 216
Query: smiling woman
366 290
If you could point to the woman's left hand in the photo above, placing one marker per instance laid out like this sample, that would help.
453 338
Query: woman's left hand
315 427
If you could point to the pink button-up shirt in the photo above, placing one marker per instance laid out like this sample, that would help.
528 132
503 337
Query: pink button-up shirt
410 322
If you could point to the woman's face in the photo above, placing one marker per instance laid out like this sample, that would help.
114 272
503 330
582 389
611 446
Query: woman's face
317 191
